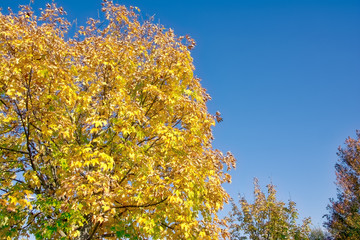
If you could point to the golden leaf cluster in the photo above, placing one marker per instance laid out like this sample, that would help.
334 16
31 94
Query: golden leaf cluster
104 135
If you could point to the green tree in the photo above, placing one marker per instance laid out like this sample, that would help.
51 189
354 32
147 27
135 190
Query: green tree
266 218
343 219
106 135
319 234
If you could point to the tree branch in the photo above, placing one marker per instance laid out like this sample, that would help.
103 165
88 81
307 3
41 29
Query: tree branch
124 177
152 144
13 150
4 103
165 225
94 231
141 206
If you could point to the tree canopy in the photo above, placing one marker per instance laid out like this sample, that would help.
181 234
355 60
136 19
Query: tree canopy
105 134
343 219
318 233
266 218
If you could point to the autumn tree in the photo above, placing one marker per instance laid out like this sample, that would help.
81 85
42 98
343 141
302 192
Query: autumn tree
318 233
266 218
343 219
104 135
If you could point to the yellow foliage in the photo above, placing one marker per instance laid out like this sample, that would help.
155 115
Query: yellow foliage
267 218
108 131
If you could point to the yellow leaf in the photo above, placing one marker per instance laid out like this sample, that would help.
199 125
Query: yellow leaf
106 208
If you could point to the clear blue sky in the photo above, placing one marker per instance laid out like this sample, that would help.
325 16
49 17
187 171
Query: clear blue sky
285 76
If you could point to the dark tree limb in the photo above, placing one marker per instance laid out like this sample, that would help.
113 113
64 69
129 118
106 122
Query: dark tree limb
141 206
13 150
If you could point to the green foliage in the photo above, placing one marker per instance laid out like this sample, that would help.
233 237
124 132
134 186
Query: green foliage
319 234
266 218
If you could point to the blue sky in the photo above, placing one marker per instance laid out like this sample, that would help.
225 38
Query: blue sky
285 76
